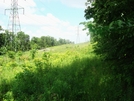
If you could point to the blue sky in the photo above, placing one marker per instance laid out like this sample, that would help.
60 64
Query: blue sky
56 18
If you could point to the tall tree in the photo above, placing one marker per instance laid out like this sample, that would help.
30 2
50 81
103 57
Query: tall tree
22 41
43 42
35 42
113 32
2 39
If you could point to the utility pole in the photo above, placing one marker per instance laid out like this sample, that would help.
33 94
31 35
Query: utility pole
14 22
78 38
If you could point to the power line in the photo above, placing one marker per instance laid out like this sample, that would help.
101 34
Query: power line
14 22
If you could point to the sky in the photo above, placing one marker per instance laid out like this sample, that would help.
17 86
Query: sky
56 18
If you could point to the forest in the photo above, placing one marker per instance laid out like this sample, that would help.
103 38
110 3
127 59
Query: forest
99 70
22 42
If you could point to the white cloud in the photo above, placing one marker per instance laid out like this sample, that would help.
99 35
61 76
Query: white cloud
29 5
62 30
54 27
43 25
34 19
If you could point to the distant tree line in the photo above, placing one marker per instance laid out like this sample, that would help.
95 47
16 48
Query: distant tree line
47 41
22 42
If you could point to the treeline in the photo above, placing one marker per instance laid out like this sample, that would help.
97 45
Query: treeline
22 42
47 41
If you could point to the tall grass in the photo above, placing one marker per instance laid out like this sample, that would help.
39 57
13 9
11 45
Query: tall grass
73 75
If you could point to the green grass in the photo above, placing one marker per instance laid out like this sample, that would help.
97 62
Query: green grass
65 73
63 48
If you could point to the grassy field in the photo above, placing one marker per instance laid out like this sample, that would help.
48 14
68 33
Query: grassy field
62 73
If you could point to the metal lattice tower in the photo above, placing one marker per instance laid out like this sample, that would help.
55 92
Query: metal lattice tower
14 23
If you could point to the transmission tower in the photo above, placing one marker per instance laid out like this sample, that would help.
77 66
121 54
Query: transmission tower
14 23
78 38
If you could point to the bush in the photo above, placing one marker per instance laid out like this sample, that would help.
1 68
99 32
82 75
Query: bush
5 86
78 81
3 50
20 53
33 52
11 54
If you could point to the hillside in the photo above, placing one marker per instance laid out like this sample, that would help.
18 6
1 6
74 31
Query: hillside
65 47
65 73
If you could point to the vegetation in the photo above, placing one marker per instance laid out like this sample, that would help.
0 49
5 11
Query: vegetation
73 74
22 42
113 32
97 71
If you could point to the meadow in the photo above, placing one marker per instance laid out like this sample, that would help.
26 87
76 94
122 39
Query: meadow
63 73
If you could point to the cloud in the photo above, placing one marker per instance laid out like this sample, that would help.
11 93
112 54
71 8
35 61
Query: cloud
49 25
43 25
63 30
29 5
34 19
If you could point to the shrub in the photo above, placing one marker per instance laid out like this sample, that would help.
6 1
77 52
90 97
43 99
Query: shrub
3 50
4 88
33 52
20 53
11 54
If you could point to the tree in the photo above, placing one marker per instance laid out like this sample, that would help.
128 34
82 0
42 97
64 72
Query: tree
43 42
1 28
113 33
35 43
10 43
2 37
2 41
22 41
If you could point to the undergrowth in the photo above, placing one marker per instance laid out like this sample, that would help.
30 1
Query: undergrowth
74 75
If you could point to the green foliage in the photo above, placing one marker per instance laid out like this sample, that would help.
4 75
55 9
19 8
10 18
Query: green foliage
22 41
34 46
56 84
46 56
33 52
20 53
76 74
113 32
47 41
4 88
11 54
39 62
3 50
2 39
